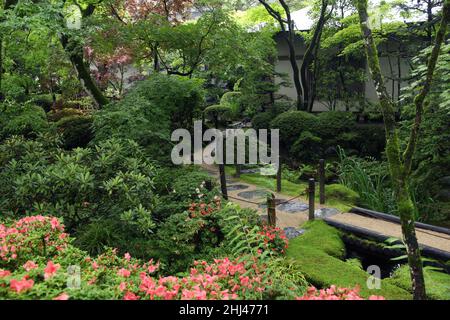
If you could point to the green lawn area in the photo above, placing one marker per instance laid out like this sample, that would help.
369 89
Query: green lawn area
319 253
291 189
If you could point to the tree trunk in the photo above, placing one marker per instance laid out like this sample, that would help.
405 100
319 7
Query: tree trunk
400 164
75 54
295 70
309 56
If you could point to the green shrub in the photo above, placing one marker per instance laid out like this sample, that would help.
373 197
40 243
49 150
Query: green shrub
292 124
220 113
76 131
307 147
370 140
66 112
262 120
180 97
333 123
135 118
45 101
114 179
21 119
233 101
177 188
150 111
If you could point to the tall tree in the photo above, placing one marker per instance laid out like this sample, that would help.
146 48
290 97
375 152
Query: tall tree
74 49
400 161
311 55
289 32
287 25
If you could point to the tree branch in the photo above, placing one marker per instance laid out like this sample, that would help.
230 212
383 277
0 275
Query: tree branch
420 97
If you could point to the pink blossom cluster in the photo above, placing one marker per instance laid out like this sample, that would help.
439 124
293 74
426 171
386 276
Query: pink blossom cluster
223 279
30 236
274 239
335 293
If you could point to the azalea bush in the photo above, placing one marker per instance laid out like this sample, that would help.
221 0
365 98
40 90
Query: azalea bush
335 293
38 262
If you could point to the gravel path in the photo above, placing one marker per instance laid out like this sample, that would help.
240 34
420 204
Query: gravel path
425 237
293 219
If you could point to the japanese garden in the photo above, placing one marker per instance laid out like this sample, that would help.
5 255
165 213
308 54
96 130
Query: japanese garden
224 150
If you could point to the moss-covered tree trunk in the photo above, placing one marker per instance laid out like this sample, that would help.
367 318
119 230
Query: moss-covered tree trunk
400 163
75 53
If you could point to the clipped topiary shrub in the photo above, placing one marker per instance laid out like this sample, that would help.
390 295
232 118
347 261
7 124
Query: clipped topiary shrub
370 139
291 125
233 101
218 113
341 193
333 123
262 120
76 131
307 147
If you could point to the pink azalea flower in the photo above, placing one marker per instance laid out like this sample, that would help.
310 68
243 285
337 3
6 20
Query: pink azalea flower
21 285
130 296
122 286
62 296
127 256
54 222
4 273
51 269
30 265
124 273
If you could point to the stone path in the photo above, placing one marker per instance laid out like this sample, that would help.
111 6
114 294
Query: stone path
292 214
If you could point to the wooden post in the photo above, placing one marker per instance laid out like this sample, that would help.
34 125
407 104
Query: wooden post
311 196
279 176
223 181
208 185
322 181
271 211
238 171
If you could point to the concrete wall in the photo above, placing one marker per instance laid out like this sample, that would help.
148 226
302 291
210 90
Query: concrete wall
389 68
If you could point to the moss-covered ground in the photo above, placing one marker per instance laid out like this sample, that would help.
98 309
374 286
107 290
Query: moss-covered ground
319 252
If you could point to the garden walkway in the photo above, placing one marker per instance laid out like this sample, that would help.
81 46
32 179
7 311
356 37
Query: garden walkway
291 214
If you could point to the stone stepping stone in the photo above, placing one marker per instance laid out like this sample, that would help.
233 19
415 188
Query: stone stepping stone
234 187
252 194
263 205
251 170
292 232
292 206
325 212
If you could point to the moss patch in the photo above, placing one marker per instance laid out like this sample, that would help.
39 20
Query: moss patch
437 284
319 251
